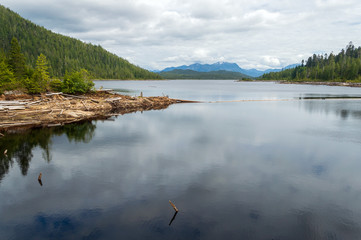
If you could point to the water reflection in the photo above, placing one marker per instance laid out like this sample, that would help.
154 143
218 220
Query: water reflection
343 108
19 146
246 170
171 221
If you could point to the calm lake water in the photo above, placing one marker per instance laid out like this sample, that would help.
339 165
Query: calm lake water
289 168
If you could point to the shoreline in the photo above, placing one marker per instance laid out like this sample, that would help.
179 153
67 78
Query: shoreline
339 84
20 111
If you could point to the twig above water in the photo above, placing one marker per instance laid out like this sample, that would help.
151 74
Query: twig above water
175 208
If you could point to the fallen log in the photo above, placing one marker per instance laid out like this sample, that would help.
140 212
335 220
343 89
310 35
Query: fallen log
11 103
52 94
54 125
73 96
12 107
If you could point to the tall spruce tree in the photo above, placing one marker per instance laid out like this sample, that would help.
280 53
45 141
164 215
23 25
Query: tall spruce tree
39 82
7 79
16 60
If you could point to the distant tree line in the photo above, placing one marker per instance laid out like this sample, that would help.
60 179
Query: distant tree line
64 54
345 66
15 74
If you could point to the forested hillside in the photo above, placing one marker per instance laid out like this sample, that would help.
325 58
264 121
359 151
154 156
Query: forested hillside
345 66
65 54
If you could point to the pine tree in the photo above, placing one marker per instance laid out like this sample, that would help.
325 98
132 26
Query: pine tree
42 67
7 79
39 82
16 60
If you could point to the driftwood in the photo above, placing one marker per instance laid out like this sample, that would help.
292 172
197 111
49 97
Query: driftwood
17 124
85 105
113 99
175 208
52 94
31 103
56 109
73 96
12 103
36 111
39 180
54 125
12 107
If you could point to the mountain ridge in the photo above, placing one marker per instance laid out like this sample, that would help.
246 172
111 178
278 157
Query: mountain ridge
191 74
226 66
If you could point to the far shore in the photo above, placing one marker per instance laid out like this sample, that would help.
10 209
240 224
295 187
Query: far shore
341 84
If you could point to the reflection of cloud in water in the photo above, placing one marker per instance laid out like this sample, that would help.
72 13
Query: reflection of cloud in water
253 174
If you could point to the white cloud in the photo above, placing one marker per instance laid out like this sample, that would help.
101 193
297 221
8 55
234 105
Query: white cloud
271 61
158 34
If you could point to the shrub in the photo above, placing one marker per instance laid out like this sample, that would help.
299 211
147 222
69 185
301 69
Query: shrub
77 82
56 85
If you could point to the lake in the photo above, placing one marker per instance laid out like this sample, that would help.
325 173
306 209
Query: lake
253 160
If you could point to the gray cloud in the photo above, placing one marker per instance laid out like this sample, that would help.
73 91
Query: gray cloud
165 33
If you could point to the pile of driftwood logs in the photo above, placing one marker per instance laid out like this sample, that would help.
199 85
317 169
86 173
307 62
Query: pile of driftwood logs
56 109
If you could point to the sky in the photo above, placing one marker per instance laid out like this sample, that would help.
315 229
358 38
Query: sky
157 34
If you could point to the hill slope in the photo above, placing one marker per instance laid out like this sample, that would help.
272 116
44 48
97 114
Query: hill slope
64 53
190 74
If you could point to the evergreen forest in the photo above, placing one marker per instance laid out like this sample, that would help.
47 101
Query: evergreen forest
64 54
16 75
342 67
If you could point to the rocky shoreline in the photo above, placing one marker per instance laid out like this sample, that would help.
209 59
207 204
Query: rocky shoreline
19 111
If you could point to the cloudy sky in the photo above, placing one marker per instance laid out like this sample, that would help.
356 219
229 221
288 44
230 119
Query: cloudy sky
161 33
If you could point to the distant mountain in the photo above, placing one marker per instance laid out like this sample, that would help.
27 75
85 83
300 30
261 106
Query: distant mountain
191 74
231 67
65 54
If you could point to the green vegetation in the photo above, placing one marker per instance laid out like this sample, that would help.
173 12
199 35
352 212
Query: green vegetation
77 82
64 54
190 74
15 75
345 66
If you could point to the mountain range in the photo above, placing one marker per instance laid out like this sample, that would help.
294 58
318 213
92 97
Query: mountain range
190 74
224 66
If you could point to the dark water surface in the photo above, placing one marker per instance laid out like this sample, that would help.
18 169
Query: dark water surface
235 170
